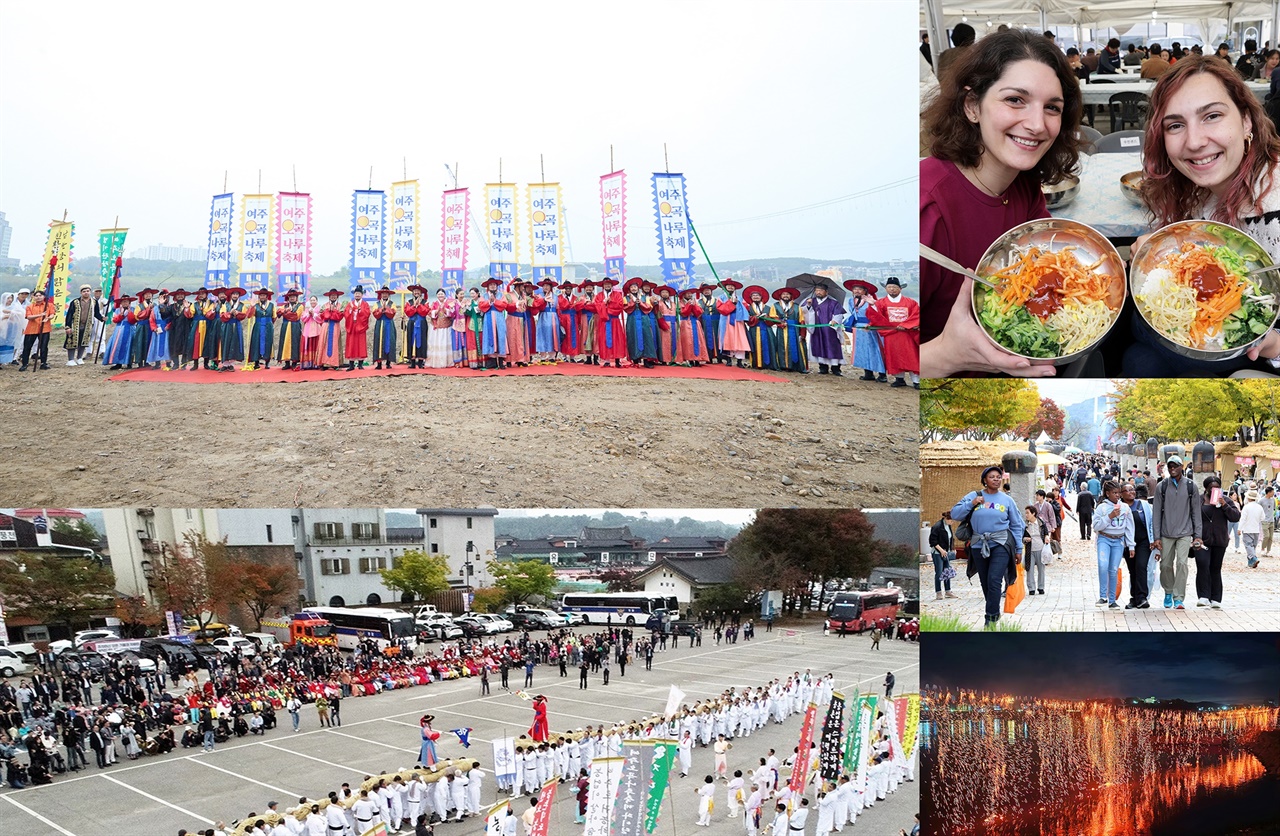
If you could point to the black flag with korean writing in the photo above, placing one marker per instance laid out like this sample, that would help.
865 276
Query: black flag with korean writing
829 753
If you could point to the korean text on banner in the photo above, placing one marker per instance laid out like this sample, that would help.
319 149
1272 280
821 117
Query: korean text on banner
454 205
800 771
494 818
217 270
542 814
110 260
368 239
675 241
613 222
829 750
546 231
628 807
56 266
664 754
604 778
255 241
293 241
500 222
404 234
859 743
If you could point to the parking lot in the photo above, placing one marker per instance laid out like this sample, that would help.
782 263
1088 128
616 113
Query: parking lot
190 789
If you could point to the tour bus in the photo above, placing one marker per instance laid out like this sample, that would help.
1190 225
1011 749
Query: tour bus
624 607
857 611
385 626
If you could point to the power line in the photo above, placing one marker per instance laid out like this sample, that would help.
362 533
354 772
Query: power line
819 205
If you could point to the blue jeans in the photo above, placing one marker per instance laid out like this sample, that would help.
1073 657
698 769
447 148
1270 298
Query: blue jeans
1110 553
208 739
939 563
993 578
296 718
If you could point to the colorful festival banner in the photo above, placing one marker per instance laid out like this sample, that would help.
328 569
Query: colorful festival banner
664 755
293 241
500 223
800 770
546 231
829 750
628 810
368 239
454 205
675 241
56 266
404 234
494 818
613 222
859 744
110 260
542 813
217 271
604 778
911 733
255 241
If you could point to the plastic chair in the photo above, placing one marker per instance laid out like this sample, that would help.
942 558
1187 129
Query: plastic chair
1127 108
1115 143
1088 139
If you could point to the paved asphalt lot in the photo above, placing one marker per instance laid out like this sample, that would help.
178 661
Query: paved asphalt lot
158 795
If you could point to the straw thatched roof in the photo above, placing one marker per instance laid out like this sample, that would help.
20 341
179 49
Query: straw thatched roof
1260 450
1226 448
966 453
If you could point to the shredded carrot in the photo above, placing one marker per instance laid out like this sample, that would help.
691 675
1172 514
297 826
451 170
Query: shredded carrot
1213 312
1025 278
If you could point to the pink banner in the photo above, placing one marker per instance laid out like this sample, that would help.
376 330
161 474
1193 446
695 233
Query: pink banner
800 772
613 220
453 230
542 813
293 234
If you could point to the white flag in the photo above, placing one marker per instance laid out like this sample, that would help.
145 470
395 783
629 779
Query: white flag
504 759
674 697
493 819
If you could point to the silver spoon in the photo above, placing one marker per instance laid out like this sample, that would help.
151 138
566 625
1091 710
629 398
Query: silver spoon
930 254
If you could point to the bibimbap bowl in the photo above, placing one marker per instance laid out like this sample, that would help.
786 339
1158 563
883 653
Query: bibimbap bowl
1060 287
1190 286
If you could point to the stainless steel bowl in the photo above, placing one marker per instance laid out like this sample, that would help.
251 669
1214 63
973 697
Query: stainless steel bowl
1131 187
1147 257
1061 194
1054 234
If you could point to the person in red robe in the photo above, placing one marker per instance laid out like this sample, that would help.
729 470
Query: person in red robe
899 317
611 340
538 731
356 314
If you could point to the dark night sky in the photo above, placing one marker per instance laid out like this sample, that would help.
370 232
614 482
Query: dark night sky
1218 667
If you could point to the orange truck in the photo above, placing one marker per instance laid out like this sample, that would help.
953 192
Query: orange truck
301 628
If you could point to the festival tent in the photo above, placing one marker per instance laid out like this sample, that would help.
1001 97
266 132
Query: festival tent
1072 451
1049 460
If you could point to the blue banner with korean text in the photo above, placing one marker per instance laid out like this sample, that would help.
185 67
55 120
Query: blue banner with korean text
368 239
675 241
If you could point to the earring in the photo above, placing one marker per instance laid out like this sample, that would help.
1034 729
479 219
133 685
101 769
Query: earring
1247 139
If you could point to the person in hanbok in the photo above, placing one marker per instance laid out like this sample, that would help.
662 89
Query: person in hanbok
459 303
440 340
758 328
584 304
790 344
826 344
538 731
706 801
13 321
140 312
546 322
867 354
202 334
82 315
684 753
427 753
416 312
331 330
493 337
667 311
710 320
642 346
474 329
179 328
231 341
355 324
694 348
159 323
732 341
899 320
569 314
312 318
384 329
611 340
289 312
119 341
517 332
263 331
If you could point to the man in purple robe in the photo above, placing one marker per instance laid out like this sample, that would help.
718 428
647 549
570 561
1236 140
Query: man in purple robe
824 341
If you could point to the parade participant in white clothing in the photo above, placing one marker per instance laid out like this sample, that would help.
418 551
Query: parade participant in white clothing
799 818
316 824
413 797
722 748
458 794
826 812
736 786
335 819
684 750
781 822
706 794
752 811
385 813
475 780
440 799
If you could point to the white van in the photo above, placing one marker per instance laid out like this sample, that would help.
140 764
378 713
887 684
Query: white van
11 664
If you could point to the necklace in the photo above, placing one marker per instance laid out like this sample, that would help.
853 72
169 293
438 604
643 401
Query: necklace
1004 200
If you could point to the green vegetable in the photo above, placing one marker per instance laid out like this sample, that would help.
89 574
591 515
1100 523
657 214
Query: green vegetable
1230 259
1017 330
1247 324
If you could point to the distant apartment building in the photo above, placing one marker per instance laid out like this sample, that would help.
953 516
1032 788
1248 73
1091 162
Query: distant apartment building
6 237
160 252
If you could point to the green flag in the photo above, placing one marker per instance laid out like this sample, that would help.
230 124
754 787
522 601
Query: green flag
110 248
664 755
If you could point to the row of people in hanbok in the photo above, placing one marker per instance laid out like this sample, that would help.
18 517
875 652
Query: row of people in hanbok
161 329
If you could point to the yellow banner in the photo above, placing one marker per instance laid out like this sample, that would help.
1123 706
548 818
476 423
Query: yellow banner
59 245
913 724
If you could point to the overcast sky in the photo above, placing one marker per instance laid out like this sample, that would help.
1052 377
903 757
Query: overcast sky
137 111
1067 392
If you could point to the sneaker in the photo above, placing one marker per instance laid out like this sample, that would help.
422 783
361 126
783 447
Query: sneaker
1177 604
1202 602
1145 605
71 362
1217 605
1041 591
938 596
1168 600
951 595
1113 606
1100 602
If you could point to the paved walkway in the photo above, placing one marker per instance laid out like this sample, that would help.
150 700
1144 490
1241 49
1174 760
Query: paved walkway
1251 597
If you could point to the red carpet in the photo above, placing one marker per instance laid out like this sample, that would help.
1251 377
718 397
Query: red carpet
275 375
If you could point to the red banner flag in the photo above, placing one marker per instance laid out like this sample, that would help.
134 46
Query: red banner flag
542 813
800 771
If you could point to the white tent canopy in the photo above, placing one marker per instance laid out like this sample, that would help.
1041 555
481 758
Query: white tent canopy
940 15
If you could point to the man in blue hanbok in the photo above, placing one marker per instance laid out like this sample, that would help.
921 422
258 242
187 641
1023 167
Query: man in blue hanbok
866 343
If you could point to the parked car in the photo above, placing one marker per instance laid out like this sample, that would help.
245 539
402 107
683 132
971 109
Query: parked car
75 661
228 644
439 624
170 650
27 650
12 664
471 627
145 664
263 641
85 636
499 624
531 620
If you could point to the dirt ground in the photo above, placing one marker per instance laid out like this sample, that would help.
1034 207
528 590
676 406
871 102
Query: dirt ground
75 439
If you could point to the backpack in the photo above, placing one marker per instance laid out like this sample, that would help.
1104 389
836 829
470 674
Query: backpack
1164 486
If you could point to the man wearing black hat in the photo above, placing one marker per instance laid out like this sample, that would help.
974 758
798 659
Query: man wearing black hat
179 328
264 329
356 318
898 319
